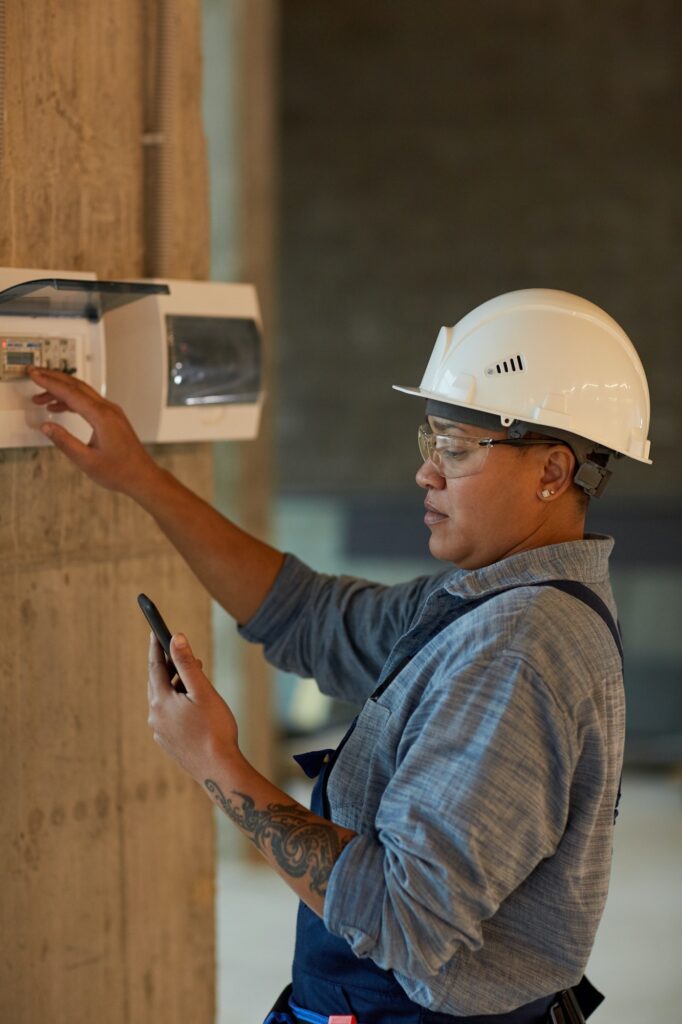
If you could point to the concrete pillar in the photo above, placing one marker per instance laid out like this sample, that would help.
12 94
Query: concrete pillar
106 904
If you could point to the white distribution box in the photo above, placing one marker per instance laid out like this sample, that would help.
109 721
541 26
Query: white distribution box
183 358
186 366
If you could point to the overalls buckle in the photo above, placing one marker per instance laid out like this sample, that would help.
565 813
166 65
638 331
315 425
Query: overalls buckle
566 1010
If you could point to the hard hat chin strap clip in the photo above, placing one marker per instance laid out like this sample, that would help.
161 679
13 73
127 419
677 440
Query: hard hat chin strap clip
592 477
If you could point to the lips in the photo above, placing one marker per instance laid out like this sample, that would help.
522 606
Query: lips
433 516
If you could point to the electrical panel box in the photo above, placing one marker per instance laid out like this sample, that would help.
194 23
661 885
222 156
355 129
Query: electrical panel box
52 319
182 358
186 366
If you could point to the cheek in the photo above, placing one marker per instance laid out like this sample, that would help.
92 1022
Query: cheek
468 497
480 508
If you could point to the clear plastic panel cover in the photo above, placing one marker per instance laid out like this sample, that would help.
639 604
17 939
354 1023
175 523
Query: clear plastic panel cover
70 297
213 360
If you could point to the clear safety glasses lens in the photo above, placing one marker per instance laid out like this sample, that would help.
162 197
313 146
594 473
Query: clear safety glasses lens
453 456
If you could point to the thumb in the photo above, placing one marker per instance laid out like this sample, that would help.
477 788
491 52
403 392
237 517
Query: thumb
189 668
74 449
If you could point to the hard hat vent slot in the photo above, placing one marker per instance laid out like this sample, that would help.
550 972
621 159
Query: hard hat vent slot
512 364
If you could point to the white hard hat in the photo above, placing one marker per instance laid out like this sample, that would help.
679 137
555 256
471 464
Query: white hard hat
549 361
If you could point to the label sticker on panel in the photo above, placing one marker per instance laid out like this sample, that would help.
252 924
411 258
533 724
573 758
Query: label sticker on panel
18 353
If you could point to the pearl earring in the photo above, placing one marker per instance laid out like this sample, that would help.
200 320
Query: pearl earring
546 494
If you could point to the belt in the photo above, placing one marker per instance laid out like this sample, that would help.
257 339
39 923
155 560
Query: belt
566 1009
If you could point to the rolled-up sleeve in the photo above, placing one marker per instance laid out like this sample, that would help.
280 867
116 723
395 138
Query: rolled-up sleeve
338 630
479 797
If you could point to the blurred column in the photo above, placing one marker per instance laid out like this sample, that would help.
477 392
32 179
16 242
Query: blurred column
240 47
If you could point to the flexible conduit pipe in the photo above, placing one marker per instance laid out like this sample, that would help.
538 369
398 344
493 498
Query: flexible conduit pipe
160 140
3 47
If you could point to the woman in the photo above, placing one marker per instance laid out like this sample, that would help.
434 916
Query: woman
454 865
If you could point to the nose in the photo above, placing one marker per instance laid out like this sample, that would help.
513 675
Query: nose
429 478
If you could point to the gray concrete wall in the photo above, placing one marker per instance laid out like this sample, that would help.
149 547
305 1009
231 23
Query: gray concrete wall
106 902
436 154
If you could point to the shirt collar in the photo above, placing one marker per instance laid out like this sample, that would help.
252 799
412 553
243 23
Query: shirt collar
585 560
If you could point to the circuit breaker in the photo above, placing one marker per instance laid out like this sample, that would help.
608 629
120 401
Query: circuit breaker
23 350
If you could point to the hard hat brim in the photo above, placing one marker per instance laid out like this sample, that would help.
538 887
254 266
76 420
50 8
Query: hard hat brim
505 420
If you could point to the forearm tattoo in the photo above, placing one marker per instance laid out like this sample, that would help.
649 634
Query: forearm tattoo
299 846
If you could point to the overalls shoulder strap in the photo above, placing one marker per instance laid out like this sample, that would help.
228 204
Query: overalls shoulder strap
588 597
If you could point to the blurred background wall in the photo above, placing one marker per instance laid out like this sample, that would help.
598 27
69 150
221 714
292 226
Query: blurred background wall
434 155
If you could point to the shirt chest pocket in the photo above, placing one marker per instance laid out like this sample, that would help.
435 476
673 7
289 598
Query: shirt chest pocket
362 769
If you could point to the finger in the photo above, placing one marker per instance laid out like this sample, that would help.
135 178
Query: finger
46 377
75 393
159 684
189 668
149 674
53 403
79 453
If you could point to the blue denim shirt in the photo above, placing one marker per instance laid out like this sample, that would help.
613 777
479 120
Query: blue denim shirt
481 781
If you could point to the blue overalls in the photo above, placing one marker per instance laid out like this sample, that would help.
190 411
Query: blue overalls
331 984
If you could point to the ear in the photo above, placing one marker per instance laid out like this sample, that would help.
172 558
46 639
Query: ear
557 470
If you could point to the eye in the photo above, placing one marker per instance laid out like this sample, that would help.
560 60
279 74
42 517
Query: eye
449 448
454 453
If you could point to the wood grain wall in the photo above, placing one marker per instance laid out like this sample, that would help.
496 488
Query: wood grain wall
106 900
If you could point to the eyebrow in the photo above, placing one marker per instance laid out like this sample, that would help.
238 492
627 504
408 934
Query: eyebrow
447 425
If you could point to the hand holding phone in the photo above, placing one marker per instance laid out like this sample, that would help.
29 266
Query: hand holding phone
163 635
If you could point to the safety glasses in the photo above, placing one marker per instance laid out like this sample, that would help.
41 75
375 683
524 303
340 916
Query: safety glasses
462 456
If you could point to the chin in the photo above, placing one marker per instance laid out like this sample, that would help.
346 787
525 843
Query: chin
444 552
457 557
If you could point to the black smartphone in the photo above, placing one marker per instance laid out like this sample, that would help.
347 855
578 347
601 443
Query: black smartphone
162 634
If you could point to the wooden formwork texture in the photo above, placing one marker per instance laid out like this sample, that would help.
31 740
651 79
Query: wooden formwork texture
106 903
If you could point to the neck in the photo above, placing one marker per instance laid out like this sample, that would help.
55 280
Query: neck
552 530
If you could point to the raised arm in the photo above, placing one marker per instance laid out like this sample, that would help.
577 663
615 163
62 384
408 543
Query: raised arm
236 568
